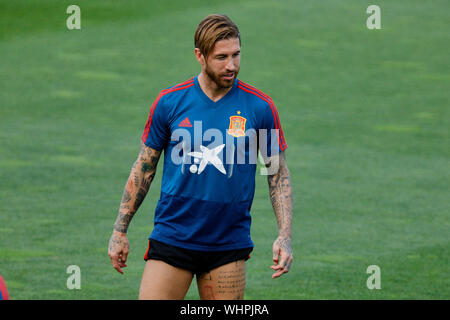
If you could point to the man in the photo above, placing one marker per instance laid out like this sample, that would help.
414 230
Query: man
207 127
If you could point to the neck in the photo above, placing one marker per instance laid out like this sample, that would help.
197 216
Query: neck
210 88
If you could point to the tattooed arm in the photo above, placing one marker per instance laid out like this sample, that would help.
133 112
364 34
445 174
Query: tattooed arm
137 186
281 197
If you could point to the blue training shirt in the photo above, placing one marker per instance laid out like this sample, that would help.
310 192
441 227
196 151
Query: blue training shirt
210 153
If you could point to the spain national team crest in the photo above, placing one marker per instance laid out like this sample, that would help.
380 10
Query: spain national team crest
237 126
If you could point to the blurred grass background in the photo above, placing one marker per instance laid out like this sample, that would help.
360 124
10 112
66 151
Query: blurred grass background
365 114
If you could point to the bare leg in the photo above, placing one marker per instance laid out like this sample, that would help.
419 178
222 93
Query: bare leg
161 281
226 282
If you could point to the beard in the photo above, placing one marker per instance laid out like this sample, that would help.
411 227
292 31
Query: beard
218 80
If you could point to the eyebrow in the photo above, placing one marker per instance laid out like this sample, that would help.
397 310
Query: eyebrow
224 54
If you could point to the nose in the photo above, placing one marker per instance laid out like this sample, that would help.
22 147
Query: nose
231 66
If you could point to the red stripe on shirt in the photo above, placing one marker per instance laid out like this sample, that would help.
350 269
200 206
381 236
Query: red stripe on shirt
252 87
180 84
281 140
272 106
149 120
153 107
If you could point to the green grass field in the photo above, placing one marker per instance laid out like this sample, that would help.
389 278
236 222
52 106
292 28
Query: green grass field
365 114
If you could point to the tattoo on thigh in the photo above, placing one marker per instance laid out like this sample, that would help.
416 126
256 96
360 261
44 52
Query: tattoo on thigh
232 282
209 293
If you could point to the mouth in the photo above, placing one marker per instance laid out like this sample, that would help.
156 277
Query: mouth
228 76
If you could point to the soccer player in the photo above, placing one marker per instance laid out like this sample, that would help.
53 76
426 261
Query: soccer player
209 128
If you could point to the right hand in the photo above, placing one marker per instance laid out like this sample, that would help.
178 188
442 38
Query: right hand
118 250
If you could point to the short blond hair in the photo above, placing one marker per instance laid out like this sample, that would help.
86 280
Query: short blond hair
213 28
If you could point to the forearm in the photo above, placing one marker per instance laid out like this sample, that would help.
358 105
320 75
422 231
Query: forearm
136 188
280 189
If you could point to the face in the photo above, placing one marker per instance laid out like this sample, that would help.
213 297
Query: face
222 64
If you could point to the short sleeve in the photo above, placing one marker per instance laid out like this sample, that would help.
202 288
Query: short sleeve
156 133
271 137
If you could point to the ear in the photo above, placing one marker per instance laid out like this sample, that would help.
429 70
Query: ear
199 56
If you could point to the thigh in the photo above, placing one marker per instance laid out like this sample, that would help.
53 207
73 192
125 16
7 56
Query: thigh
161 281
226 282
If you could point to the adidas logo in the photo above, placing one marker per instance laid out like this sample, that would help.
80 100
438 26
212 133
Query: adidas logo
185 123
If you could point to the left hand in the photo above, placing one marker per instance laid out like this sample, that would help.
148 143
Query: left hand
118 250
282 256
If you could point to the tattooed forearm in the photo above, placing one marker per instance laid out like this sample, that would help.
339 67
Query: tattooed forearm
146 167
122 222
126 197
139 198
138 184
281 197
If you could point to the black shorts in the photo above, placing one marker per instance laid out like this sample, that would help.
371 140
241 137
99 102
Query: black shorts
195 261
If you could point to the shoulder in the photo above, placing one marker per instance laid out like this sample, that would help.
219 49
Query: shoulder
261 101
178 88
175 91
253 91
165 103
